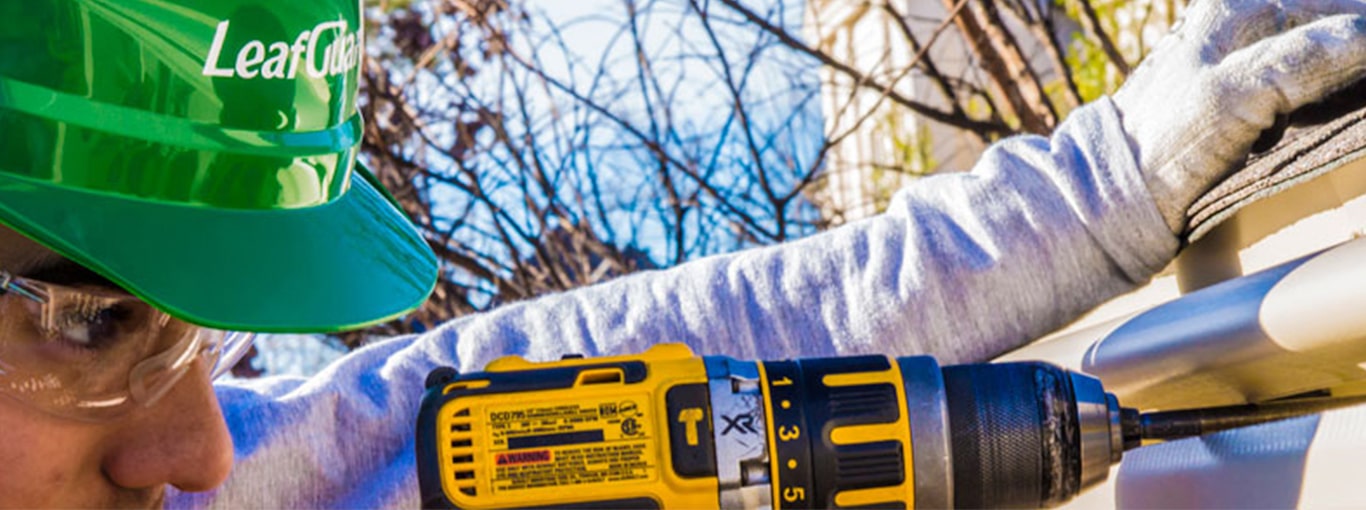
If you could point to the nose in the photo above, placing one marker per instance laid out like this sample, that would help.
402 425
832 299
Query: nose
181 440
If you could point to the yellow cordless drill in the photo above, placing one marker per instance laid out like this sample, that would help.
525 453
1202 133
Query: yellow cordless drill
668 429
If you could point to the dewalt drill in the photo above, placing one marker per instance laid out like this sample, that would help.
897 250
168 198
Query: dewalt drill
668 429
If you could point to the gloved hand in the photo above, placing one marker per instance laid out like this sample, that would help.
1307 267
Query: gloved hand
1195 106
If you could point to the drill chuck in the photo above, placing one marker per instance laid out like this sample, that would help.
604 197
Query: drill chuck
1030 434
666 429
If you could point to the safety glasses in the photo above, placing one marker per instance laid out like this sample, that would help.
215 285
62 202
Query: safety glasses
92 354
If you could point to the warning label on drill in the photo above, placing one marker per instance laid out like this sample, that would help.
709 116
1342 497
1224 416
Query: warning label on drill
507 459
549 445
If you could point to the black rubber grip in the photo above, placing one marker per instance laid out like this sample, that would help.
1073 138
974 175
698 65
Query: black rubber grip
1014 434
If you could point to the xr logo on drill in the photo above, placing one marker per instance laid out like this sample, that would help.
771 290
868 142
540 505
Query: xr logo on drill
740 423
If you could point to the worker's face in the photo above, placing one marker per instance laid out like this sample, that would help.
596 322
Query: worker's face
50 461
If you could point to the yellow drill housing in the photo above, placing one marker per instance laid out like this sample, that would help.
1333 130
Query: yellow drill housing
643 431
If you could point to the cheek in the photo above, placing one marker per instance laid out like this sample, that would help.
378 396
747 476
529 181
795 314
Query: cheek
42 458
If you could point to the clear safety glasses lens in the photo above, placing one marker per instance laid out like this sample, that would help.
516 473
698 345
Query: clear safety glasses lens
236 345
92 353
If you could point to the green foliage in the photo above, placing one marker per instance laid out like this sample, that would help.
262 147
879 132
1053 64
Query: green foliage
1093 72
1090 69
912 155
1056 90
389 5
911 145
980 107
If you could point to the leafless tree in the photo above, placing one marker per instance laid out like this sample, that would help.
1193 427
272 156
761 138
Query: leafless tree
533 162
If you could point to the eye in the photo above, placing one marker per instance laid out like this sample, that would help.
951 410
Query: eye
91 324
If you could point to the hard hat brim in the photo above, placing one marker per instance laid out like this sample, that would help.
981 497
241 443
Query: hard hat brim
353 262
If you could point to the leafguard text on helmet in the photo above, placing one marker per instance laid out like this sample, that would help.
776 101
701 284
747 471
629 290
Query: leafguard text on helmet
280 60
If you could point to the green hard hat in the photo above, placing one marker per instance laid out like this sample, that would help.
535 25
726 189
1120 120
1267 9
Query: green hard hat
201 154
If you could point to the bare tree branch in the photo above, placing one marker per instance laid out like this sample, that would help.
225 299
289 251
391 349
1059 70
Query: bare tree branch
1090 22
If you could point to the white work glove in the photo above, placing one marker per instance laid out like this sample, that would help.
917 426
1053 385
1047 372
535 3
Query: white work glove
1195 106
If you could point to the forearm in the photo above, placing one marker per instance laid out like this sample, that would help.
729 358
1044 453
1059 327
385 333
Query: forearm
962 266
